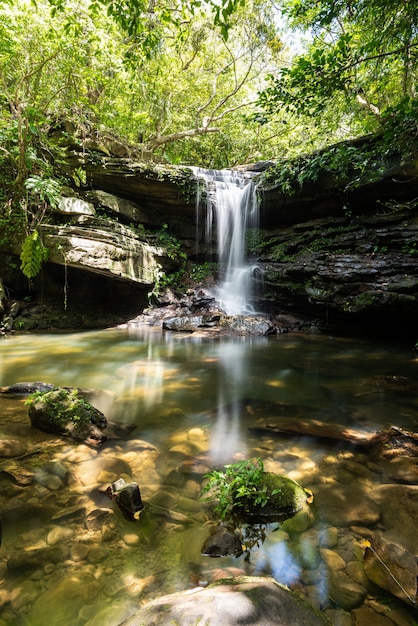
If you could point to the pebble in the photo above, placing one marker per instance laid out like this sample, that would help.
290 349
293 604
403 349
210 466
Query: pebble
79 551
332 560
131 539
97 555
59 534
107 533
328 537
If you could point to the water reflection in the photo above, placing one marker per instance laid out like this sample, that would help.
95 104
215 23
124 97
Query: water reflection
191 403
227 438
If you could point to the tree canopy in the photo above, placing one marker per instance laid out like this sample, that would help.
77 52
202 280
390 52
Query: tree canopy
207 82
360 59
201 82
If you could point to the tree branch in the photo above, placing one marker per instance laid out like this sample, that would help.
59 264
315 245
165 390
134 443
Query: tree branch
155 142
381 55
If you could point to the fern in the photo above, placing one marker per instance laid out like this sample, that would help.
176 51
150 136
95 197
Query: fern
32 255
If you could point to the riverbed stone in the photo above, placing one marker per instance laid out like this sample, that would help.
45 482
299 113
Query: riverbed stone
102 470
344 591
338 617
23 593
368 617
71 593
37 557
355 570
399 505
164 498
345 505
333 561
79 551
403 469
392 568
97 555
131 539
223 542
328 537
12 447
251 600
58 535
308 550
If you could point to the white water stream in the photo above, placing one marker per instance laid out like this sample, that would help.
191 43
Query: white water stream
230 208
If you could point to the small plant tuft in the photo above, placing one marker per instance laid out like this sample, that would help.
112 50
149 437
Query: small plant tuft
237 485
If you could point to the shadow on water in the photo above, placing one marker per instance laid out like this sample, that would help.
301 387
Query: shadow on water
178 406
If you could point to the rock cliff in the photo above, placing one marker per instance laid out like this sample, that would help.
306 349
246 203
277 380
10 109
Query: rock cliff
328 250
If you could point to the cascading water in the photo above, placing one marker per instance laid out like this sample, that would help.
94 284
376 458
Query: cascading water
231 207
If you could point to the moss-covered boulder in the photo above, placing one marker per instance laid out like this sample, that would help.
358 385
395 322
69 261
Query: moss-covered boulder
282 499
64 412
246 493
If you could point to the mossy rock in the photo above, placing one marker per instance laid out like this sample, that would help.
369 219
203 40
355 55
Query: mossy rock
64 412
284 498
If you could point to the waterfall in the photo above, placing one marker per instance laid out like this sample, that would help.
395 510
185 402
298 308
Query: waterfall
230 208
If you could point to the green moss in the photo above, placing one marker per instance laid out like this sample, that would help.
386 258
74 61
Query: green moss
62 406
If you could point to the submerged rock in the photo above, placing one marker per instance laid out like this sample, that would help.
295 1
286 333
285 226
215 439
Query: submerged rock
223 542
62 411
392 568
253 601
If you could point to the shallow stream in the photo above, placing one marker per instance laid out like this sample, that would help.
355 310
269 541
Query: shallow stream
178 406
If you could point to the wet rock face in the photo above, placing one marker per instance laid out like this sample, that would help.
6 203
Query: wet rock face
360 270
103 246
61 411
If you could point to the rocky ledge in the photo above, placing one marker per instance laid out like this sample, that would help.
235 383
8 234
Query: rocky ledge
357 270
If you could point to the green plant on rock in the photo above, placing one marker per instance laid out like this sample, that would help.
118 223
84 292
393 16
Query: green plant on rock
171 245
236 485
64 405
199 271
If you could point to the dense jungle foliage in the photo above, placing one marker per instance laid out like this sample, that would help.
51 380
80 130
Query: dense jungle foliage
204 82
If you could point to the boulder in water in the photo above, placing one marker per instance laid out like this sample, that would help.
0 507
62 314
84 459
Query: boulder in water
62 411
255 601
284 498
26 388
128 497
